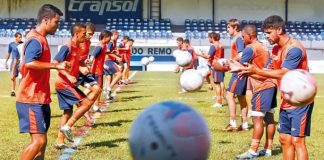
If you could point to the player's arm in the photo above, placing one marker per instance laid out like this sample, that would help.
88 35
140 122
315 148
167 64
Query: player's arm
240 48
33 52
95 53
292 61
115 56
211 52
60 57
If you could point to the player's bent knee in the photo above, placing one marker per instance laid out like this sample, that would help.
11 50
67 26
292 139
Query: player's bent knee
298 141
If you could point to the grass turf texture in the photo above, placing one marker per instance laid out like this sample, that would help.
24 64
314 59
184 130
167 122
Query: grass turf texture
108 139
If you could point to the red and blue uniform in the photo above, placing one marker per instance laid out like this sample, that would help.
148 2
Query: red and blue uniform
122 53
293 120
16 55
237 85
96 69
112 66
84 50
33 96
68 94
264 91
215 53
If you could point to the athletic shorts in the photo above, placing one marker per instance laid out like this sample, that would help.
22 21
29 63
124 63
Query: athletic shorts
237 85
69 97
296 122
86 80
264 101
218 76
112 68
33 118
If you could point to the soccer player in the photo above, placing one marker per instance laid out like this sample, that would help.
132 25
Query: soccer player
236 86
128 55
122 50
33 96
180 47
85 79
216 51
294 122
12 46
66 85
97 58
111 69
264 94
187 47
16 54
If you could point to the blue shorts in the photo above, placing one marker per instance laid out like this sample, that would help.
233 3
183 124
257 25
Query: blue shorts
196 63
296 122
84 80
33 118
69 97
264 100
218 76
113 68
98 78
237 85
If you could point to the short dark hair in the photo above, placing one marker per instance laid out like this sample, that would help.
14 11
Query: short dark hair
215 36
76 27
180 39
274 22
132 40
18 34
234 23
90 26
104 34
250 30
48 10
126 38
186 41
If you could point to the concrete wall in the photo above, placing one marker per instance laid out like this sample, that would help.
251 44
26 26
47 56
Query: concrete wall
306 10
25 8
248 9
179 10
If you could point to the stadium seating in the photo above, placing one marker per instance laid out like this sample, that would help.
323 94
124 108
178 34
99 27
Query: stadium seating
141 28
197 29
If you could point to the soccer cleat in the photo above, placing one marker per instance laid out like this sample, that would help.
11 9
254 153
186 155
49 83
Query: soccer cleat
13 94
230 128
110 99
247 155
60 146
67 133
217 105
266 153
240 128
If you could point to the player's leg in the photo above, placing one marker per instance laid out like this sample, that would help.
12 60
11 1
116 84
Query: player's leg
36 148
67 113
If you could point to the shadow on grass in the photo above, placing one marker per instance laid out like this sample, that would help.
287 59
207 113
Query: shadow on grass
276 150
127 109
112 124
110 144
56 116
122 92
131 98
225 142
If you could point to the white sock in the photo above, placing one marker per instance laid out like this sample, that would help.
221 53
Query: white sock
233 123
95 107
252 152
245 125
65 128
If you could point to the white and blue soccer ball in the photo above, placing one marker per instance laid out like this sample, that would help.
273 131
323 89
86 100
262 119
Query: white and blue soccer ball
298 87
183 58
151 58
191 80
145 61
169 131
